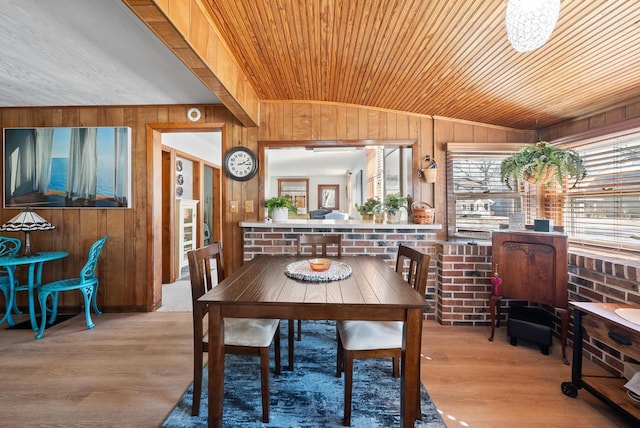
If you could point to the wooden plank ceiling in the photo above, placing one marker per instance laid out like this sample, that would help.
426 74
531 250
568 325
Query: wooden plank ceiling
442 57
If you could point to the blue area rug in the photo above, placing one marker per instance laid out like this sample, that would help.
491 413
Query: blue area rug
311 395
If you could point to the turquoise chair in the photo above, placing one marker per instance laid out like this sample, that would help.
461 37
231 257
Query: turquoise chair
87 283
9 247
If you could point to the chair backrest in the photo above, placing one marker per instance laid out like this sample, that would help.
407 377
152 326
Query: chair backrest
418 267
9 247
200 274
88 271
321 241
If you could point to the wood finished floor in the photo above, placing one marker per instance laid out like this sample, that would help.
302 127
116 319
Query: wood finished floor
132 368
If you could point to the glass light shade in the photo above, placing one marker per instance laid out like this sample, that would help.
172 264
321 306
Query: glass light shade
531 22
27 221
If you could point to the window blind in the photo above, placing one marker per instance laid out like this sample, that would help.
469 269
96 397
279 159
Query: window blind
477 201
604 209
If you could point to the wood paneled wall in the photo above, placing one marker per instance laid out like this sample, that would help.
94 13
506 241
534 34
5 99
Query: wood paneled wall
129 274
613 117
126 269
295 121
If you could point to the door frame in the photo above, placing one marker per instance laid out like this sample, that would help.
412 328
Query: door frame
156 185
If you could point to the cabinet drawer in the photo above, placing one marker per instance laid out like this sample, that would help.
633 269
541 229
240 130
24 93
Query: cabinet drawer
614 335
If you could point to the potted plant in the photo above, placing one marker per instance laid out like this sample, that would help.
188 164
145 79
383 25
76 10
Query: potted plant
279 207
368 208
540 163
392 204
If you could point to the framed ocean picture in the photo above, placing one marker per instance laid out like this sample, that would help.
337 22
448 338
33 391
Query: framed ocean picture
67 167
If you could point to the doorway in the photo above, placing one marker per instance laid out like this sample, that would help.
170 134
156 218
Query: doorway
191 209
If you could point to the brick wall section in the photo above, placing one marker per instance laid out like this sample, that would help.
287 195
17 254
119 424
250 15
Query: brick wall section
372 242
464 287
463 274
459 284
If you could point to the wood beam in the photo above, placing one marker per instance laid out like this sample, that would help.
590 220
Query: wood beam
185 27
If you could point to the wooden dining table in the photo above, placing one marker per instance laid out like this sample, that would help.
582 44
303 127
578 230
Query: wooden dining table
261 289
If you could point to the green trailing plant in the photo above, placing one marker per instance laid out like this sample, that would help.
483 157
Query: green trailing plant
369 207
280 202
393 202
533 162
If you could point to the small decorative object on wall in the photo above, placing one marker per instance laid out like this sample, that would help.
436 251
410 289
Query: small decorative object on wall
328 196
180 179
542 163
179 165
430 171
67 167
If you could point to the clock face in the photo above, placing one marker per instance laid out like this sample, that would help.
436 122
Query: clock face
240 163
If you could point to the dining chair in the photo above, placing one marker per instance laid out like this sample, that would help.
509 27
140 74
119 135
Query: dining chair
9 247
315 246
242 336
378 339
87 283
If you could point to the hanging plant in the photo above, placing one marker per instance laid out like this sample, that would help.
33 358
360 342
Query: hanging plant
542 163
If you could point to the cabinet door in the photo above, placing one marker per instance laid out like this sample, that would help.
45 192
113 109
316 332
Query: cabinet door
533 266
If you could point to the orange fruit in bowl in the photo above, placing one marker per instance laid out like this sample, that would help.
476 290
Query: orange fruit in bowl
319 265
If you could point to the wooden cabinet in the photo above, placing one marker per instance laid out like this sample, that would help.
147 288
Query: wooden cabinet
533 267
599 321
187 231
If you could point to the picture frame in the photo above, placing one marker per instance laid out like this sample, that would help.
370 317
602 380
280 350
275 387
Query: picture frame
67 167
328 196
298 189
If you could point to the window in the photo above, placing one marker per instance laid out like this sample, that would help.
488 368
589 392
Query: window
386 171
604 209
478 202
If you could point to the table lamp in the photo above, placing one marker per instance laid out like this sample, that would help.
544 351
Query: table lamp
27 221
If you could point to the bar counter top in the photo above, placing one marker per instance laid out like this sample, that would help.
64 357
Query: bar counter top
338 224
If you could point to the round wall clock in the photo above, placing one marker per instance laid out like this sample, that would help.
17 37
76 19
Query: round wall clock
240 163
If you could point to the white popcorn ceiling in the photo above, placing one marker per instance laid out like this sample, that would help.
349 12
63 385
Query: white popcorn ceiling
87 52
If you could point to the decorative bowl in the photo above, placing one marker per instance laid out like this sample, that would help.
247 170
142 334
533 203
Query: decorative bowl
319 265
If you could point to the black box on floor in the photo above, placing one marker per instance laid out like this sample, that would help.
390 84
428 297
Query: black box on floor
531 324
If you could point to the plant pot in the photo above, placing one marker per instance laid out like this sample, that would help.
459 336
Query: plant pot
280 214
548 174
367 217
393 218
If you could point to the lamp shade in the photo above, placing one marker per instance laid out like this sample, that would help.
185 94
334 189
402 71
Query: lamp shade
530 22
26 221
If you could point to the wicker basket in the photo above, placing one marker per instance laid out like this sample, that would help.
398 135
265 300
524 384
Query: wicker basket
423 213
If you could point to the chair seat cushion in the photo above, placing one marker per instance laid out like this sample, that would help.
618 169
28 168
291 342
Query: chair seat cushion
249 331
363 335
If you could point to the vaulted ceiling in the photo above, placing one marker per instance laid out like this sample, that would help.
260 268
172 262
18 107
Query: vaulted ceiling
440 57
446 58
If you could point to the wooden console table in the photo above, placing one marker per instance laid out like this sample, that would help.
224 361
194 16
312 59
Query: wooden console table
599 321
533 267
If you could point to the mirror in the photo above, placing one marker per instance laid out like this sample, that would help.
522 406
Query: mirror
358 170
